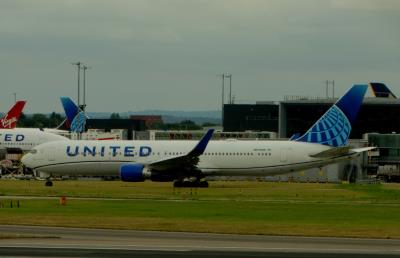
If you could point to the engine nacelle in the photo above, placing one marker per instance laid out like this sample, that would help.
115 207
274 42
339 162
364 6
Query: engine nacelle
133 173
138 173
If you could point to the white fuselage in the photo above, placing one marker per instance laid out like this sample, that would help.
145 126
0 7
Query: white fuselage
25 138
233 158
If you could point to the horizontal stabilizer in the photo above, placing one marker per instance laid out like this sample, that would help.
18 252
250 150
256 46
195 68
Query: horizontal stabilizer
359 150
340 151
333 152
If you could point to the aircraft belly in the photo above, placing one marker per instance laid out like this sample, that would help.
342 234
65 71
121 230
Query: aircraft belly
271 169
86 169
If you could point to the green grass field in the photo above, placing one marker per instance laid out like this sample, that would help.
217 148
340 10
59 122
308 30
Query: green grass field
225 207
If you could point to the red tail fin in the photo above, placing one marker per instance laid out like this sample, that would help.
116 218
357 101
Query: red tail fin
10 120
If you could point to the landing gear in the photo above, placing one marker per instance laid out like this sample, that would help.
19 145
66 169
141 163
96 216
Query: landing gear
49 182
191 184
203 184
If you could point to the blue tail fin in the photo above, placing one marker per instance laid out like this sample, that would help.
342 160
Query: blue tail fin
334 127
70 108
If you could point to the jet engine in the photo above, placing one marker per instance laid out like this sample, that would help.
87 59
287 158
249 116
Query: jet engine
139 173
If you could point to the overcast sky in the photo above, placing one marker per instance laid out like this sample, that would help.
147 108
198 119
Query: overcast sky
166 54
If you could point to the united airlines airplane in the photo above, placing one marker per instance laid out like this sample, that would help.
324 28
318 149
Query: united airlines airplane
25 139
187 163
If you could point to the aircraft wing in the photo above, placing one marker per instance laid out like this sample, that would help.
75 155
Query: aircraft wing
185 162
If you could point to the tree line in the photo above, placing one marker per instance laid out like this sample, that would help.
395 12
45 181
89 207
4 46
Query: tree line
54 120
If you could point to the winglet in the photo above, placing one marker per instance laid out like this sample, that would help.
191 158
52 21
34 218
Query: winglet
334 127
70 109
10 119
202 144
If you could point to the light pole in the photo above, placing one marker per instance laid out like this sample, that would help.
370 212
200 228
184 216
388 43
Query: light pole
84 68
78 64
230 87
327 88
222 98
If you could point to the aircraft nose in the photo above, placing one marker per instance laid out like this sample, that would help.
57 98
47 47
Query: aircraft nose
27 160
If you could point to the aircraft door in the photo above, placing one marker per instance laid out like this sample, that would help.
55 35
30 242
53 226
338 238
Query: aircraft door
51 154
285 153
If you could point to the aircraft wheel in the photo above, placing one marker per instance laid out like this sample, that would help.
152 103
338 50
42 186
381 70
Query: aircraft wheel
178 183
49 183
187 184
203 184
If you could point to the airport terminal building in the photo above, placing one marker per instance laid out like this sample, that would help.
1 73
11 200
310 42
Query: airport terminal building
297 114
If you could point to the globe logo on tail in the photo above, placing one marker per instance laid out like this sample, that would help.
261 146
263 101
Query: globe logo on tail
79 122
332 129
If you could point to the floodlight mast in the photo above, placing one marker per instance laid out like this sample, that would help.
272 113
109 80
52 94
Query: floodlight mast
84 68
223 76
327 83
222 98
230 86
78 64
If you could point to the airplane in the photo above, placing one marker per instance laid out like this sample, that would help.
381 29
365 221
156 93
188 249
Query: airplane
187 163
20 140
10 119
24 139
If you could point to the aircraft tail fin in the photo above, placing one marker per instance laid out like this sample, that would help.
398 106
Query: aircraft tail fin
334 127
70 108
380 90
10 119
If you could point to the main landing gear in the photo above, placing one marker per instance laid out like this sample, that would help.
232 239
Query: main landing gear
48 182
191 184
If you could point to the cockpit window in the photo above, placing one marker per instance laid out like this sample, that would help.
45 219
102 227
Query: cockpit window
33 151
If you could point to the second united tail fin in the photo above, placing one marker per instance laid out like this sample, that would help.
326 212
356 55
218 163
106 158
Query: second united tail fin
10 119
76 118
70 108
334 127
